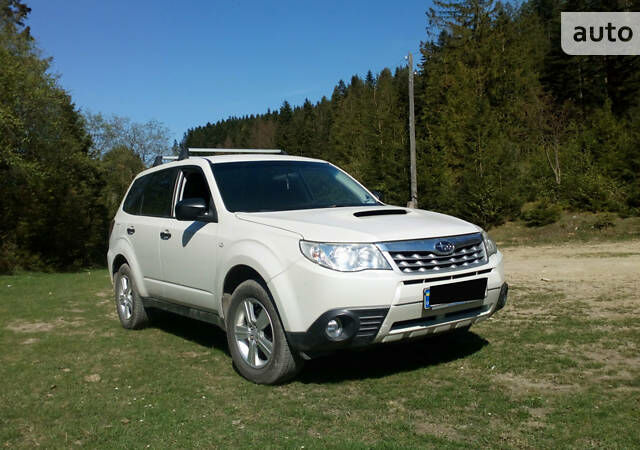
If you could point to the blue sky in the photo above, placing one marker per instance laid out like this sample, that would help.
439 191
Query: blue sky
188 63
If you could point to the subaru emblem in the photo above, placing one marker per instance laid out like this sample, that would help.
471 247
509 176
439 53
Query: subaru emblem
445 247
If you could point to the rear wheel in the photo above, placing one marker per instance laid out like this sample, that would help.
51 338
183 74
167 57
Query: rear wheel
128 302
256 338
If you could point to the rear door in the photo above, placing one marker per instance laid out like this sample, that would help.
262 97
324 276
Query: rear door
147 205
189 249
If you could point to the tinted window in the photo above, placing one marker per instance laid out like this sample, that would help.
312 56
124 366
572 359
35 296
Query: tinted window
158 193
286 185
134 199
195 185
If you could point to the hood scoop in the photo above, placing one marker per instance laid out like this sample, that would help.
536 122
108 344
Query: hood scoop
380 212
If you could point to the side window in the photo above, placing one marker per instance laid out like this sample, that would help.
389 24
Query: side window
158 193
194 185
134 199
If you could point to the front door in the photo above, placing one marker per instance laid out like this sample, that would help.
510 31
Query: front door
188 250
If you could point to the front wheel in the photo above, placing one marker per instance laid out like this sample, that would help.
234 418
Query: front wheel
256 338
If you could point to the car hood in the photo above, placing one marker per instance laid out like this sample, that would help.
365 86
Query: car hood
354 224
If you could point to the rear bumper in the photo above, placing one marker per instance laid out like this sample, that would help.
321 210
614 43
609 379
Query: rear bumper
110 257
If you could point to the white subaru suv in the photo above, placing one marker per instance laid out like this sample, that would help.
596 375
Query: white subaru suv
294 259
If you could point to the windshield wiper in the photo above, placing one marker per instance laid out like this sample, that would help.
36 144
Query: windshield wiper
347 204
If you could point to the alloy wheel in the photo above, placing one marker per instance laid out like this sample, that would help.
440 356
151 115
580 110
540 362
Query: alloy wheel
253 333
125 298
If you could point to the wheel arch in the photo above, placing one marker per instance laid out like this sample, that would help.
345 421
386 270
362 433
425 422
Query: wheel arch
237 275
253 259
244 271
118 261
124 255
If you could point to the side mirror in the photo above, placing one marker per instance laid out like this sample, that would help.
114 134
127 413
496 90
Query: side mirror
191 209
379 195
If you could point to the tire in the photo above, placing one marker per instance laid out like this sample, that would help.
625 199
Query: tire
128 302
257 342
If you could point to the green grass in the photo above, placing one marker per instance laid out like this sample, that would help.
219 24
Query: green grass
72 376
572 227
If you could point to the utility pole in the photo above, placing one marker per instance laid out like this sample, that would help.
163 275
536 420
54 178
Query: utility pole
413 203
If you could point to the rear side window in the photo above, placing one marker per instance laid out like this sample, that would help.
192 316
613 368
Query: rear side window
134 199
158 193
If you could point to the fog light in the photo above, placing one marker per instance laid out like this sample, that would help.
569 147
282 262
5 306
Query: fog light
334 328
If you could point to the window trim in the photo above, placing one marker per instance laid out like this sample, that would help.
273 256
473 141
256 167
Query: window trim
143 180
214 165
179 190
147 176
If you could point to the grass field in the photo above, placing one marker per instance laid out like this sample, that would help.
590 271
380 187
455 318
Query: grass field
558 367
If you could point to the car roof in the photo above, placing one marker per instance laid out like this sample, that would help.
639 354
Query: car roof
215 159
220 159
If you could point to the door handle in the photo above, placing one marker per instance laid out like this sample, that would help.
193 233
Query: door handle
131 230
164 235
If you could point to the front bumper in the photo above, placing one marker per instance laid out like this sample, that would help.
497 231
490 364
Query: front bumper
412 321
308 296
364 327
360 327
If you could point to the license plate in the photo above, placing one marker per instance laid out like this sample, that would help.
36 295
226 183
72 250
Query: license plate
454 292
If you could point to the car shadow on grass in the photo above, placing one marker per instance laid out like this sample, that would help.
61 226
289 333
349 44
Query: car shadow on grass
374 362
388 359
201 333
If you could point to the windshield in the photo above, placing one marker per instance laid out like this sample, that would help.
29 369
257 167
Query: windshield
285 185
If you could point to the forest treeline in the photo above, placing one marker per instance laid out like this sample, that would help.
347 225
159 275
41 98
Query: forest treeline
505 121
507 126
62 172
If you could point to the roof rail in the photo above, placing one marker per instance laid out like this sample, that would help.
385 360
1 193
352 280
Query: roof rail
275 151
186 152
161 159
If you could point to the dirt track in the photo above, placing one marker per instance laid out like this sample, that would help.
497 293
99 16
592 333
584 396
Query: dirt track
605 275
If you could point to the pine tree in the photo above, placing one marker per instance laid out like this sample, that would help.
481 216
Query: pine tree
285 131
478 82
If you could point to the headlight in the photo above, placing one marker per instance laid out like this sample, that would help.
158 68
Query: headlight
489 244
344 257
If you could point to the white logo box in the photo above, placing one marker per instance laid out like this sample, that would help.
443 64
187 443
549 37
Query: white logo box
600 33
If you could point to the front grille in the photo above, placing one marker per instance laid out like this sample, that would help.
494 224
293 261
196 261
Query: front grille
423 255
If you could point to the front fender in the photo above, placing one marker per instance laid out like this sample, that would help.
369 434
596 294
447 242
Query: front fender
258 256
